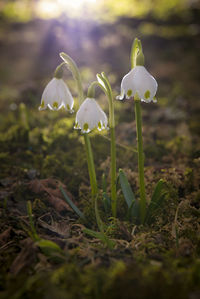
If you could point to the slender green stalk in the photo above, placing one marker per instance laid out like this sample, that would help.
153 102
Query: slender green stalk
76 74
105 86
113 173
137 58
138 118
113 145
91 168
59 71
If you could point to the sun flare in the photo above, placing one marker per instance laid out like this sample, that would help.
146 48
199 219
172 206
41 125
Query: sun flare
53 8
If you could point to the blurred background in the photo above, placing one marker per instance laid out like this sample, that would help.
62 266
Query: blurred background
98 35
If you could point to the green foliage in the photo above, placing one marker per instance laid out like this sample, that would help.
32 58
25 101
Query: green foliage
157 199
106 199
72 205
132 203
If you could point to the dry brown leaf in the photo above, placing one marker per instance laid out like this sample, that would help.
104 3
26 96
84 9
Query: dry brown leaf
61 228
25 258
5 236
51 187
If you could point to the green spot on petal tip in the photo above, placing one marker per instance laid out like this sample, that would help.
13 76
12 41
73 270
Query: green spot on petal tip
55 105
85 127
129 93
147 94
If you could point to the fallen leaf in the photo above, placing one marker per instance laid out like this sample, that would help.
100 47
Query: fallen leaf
51 187
5 236
26 257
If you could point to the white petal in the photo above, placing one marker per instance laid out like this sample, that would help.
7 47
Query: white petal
145 84
90 115
56 95
65 95
127 86
139 81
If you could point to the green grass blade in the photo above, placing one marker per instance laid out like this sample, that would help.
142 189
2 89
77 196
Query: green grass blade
156 200
72 205
126 188
157 191
101 236
33 230
106 198
51 250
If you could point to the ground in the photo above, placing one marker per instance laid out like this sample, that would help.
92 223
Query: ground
40 151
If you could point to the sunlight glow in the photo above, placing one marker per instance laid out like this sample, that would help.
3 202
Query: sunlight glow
53 8
74 3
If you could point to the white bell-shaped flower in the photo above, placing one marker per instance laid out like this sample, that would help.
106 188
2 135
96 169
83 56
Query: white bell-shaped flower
90 116
57 95
139 81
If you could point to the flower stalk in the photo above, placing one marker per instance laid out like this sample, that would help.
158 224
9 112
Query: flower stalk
104 84
137 58
90 160
140 85
138 118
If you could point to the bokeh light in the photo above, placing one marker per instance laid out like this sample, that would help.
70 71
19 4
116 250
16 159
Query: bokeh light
52 9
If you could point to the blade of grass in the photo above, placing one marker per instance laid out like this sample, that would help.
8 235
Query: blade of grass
126 188
106 198
100 236
72 205
29 210
156 200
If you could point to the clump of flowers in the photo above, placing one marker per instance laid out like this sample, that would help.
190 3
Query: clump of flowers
139 85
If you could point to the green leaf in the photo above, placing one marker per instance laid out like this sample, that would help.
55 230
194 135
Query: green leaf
94 234
126 188
52 246
72 205
134 210
51 249
106 198
33 232
106 202
156 200
132 203
98 218
101 236
157 191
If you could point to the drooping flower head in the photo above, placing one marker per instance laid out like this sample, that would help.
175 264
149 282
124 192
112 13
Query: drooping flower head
90 116
56 95
139 81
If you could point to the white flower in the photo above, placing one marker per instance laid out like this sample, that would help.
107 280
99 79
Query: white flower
56 95
90 116
139 81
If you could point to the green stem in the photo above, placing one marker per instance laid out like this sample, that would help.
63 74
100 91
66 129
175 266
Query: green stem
105 86
91 168
76 74
113 173
59 71
113 145
138 118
